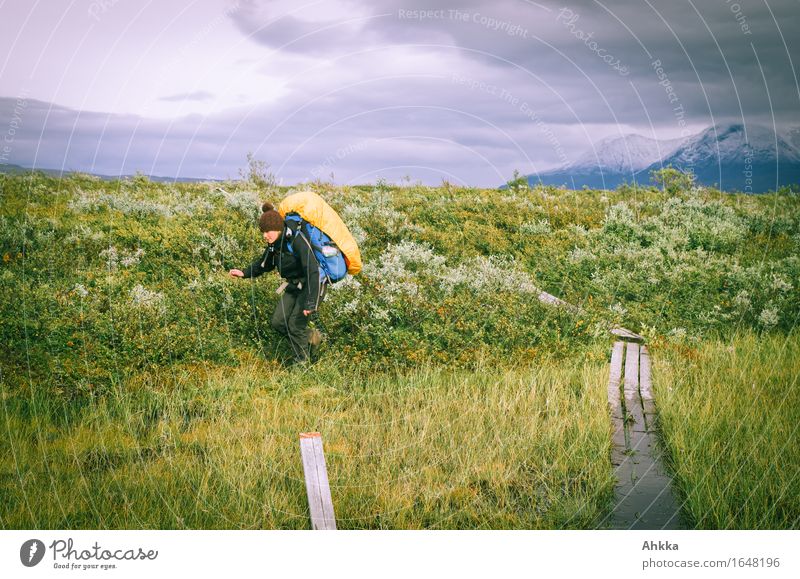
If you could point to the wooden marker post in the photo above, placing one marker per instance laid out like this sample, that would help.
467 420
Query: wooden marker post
317 486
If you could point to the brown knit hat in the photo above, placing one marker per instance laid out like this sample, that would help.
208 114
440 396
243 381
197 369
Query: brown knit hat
270 220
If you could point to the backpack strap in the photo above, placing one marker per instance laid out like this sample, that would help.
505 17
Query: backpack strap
294 226
314 248
299 227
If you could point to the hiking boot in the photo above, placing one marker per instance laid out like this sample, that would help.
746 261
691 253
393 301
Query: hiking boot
315 339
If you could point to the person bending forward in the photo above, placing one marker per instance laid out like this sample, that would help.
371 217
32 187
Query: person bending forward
302 292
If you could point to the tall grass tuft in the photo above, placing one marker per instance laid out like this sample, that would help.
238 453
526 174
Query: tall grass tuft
730 415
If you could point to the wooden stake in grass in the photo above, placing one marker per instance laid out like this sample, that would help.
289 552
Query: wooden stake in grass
317 487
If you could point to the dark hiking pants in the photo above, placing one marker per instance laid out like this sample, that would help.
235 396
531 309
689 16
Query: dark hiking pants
288 319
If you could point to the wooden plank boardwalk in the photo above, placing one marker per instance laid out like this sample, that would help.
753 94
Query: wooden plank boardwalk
643 497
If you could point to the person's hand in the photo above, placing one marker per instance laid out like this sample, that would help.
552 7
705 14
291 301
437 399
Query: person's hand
308 312
236 273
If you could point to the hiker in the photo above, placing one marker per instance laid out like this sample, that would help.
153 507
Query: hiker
303 290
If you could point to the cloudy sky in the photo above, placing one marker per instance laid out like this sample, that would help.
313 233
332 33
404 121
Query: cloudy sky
466 90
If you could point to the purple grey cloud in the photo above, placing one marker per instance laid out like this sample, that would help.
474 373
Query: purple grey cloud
468 92
200 95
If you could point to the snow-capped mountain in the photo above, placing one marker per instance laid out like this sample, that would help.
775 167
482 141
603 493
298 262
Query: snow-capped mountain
733 156
729 143
793 136
627 154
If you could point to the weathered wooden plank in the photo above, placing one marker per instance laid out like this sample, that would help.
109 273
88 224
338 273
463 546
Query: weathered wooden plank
645 386
626 334
318 489
322 474
547 298
643 494
615 375
632 403
618 331
649 413
646 390
615 404
311 478
632 372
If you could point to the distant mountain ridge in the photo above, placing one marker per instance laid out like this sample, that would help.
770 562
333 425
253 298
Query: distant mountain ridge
11 169
752 159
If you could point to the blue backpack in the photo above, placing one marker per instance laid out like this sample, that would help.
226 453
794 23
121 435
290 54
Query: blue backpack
330 258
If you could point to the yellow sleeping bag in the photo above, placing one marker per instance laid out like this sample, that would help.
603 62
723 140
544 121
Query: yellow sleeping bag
318 213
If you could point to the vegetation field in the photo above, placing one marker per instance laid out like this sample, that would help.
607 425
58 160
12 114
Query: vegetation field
519 448
142 387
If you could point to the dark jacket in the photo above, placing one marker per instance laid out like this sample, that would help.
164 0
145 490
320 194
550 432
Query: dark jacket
300 266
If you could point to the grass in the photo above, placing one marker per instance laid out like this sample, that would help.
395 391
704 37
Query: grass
730 413
134 392
522 447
